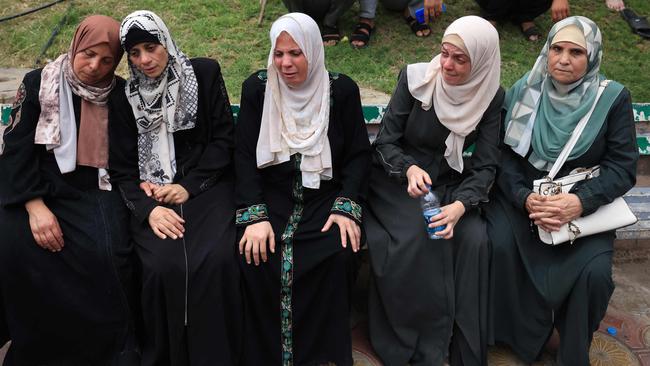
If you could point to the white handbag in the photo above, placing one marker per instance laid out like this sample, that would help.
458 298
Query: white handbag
612 216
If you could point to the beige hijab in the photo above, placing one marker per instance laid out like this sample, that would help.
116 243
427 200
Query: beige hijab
460 107
296 119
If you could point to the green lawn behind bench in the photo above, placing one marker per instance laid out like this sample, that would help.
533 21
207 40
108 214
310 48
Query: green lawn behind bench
227 30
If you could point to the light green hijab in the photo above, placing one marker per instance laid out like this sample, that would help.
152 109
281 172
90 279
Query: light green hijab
557 108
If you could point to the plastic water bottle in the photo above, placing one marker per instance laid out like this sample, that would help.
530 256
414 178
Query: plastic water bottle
417 11
431 207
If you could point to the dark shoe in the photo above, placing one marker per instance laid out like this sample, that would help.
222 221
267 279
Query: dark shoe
638 24
362 32
330 34
417 26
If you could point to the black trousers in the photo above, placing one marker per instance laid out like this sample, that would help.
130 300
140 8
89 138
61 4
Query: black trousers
518 11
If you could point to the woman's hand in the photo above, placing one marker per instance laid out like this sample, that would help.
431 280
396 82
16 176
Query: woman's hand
348 229
148 188
173 194
432 9
552 212
44 225
165 222
560 10
417 181
449 216
253 242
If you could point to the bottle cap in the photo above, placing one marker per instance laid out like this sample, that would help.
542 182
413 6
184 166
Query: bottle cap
611 330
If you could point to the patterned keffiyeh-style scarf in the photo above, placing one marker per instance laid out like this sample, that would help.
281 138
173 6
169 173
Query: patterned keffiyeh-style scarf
163 105
544 113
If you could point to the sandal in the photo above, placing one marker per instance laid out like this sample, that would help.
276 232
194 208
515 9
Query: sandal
638 24
330 34
531 31
362 32
417 27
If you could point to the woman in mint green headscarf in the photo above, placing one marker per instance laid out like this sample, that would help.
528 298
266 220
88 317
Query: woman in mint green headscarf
536 288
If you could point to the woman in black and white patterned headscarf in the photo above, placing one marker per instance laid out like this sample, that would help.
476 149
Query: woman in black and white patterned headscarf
171 156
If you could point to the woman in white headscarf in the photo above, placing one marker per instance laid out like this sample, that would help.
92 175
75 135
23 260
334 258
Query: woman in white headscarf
535 287
425 290
301 159
171 157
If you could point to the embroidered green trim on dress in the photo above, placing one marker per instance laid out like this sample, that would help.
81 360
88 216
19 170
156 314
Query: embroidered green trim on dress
286 279
251 214
347 206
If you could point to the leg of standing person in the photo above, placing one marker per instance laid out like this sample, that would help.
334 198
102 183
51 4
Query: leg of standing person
580 316
366 25
494 10
331 20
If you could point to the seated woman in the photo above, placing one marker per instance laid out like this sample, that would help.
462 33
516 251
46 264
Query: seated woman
64 249
423 291
302 158
523 13
171 157
536 287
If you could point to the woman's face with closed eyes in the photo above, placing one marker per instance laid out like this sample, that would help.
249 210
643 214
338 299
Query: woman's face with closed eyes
289 60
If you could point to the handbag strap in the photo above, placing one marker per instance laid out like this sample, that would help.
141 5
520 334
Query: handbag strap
566 151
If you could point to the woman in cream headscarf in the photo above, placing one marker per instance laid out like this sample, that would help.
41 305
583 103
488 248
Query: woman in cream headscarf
65 242
301 159
426 290
537 287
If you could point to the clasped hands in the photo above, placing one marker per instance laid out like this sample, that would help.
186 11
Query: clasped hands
164 221
253 244
551 212
418 179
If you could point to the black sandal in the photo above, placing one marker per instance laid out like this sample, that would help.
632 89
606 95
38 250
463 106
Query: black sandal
360 36
531 32
638 23
417 26
331 34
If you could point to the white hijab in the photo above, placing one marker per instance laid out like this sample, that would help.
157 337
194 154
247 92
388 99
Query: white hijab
296 119
460 107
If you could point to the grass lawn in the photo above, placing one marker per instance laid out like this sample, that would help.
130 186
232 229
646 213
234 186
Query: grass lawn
227 31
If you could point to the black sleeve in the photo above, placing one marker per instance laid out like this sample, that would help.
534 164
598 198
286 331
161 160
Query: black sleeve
618 166
251 207
19 163
217 156
356 168
391 155
123 155
478 179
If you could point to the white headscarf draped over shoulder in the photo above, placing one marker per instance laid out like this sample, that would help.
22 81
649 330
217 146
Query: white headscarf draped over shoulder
460 107
296 119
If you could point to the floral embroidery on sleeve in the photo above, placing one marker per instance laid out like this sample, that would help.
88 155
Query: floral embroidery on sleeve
348 208
251 214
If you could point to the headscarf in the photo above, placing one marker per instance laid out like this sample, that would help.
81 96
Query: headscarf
56 127
460 107
296 119
544 112
163 105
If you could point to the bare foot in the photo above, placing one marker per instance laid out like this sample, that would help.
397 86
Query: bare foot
616 5
530 31
420 30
